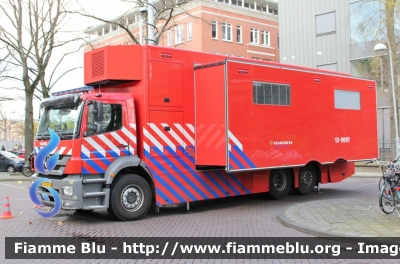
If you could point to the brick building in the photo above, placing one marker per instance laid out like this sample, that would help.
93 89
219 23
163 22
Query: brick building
237 28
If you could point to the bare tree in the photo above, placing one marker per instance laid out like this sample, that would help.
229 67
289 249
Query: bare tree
3 120
30 30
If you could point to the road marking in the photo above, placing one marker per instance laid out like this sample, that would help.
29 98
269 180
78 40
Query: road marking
13 186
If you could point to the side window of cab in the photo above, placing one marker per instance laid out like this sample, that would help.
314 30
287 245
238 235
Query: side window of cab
112 119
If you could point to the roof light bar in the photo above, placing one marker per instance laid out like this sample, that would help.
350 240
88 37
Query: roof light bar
74 91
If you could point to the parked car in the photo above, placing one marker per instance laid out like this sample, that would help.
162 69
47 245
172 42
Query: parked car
18 152
10 162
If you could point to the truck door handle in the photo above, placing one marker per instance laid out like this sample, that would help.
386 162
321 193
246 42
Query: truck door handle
122 146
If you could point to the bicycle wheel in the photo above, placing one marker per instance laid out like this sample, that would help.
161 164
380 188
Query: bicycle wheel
386 200
381 183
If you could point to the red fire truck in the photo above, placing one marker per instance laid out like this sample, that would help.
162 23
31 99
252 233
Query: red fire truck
159 126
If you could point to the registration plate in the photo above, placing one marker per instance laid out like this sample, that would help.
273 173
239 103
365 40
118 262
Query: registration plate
46 184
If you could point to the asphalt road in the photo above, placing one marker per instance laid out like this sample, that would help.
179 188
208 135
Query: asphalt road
245 216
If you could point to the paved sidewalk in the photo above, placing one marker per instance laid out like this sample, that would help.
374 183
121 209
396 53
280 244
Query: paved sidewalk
342 218
17 176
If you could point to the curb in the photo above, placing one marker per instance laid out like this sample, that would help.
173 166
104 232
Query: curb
282 219
285 221
366 176
20 179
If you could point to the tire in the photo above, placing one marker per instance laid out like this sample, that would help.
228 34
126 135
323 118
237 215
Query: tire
280 182
10 169
307 180
381 183
130 197
386 200
26 171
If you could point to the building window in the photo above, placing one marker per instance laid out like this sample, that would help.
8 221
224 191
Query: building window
265 38
328 67
226 31
271 93
347 100
114 27
214 29
325 23
233 2
169 38
178 34
278 41
254 36
189 31
246 5
275 12
239 34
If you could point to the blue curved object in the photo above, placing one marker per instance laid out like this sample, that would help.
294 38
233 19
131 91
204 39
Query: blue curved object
35 199
44 152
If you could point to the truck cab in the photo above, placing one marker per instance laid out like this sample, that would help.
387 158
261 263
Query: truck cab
94 130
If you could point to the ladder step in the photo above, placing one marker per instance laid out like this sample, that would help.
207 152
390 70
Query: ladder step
93 207
99 180
94 194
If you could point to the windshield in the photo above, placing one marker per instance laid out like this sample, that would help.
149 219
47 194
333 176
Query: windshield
62 119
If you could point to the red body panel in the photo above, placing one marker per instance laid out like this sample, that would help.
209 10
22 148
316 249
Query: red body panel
100 64
177 118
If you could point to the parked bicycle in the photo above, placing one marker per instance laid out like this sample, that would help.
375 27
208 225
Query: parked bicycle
387 170
389 198
27 169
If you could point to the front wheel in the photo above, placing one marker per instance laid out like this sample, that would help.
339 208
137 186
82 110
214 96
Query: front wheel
10 169
381 183
280 182
387 200
27 171
130 197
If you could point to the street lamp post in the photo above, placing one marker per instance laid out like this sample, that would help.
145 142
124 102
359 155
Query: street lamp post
382 47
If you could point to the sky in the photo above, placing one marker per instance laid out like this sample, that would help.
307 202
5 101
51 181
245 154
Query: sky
107 9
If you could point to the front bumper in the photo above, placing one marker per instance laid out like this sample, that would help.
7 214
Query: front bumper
67 202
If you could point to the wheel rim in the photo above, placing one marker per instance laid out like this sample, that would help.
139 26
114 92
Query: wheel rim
306 178
280 181
10 169
132 198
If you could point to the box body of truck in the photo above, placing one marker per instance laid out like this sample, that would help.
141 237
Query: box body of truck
196 126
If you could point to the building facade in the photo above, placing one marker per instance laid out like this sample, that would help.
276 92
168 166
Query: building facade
315 33
231 27
339 35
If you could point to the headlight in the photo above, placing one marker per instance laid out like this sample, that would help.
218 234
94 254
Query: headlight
68 190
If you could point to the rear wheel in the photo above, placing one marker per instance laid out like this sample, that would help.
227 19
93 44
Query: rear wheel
307 180
280 182
130 197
